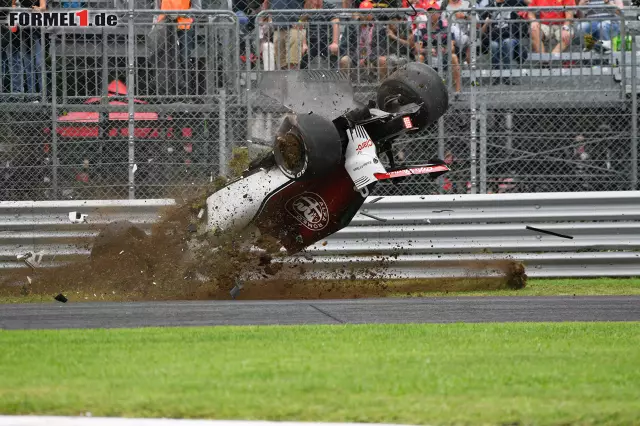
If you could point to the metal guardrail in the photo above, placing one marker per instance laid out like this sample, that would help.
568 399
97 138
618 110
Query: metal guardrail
412 236
44 227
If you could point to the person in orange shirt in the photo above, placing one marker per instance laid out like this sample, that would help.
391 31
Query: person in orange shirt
552 25
177 42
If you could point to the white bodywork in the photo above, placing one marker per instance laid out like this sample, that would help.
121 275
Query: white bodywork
361 158
234 206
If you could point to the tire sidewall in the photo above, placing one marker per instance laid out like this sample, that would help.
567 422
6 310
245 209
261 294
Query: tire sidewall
424 85
321 144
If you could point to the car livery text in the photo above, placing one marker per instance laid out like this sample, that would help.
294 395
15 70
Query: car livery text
365 144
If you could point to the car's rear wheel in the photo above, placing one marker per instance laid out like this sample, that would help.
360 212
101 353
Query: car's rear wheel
415 83
307 147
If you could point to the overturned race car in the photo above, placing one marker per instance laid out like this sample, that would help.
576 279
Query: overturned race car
310 184
320 171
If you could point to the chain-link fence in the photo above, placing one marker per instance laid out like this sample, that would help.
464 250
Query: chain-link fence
155 105
555 109
135 111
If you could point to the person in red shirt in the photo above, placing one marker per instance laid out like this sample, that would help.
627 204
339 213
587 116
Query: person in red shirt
552 25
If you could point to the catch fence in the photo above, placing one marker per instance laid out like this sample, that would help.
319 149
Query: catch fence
150 108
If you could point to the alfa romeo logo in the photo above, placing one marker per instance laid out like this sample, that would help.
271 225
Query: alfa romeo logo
310 210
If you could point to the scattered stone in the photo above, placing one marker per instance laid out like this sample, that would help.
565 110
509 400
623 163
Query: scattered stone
61 298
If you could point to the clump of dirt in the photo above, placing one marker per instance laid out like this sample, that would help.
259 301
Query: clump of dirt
513 273
178 261
366 288
171 263
146 277
291 149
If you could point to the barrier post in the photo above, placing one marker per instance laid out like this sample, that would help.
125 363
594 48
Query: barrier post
54 118
472 105
634 116
130 97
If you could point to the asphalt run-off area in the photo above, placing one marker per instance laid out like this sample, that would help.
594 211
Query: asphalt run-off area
376 311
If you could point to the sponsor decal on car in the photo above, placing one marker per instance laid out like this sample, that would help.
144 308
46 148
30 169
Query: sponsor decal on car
420 170
310 210
365 144
360 167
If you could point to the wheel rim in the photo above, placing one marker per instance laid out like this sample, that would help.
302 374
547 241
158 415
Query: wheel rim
394 95
398 96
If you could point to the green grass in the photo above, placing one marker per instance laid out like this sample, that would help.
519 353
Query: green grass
560 287
543 373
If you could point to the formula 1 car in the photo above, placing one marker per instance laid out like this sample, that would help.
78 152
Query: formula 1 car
320 171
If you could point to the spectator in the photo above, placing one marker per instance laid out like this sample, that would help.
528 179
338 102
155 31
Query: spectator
365 45
246 10
288 38
459 28
174 40
184 32
11 58
31 40
418 4
437 38
501 35
602 24
400 51
401 41
380 4
301 30
323 37
551 25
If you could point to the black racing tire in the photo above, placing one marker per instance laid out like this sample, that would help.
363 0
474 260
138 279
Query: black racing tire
415 83
307 147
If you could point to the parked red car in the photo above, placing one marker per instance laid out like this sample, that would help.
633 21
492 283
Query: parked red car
95 154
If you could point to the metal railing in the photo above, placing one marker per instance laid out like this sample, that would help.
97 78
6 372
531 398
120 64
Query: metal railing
124 112
396 236
146 110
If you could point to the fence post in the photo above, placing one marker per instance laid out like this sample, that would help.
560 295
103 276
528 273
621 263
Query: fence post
440 152
634 117
236 56
65 79
54 118
508 124
472 102
43 66
483 146
246 93
222 134
623 58
130 96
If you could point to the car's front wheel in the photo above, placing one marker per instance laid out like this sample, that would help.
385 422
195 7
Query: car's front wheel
307 147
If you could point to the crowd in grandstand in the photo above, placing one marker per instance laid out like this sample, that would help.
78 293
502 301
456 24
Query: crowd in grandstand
442 32
507 36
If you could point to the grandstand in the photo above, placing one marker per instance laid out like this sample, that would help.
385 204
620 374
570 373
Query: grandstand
570 125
